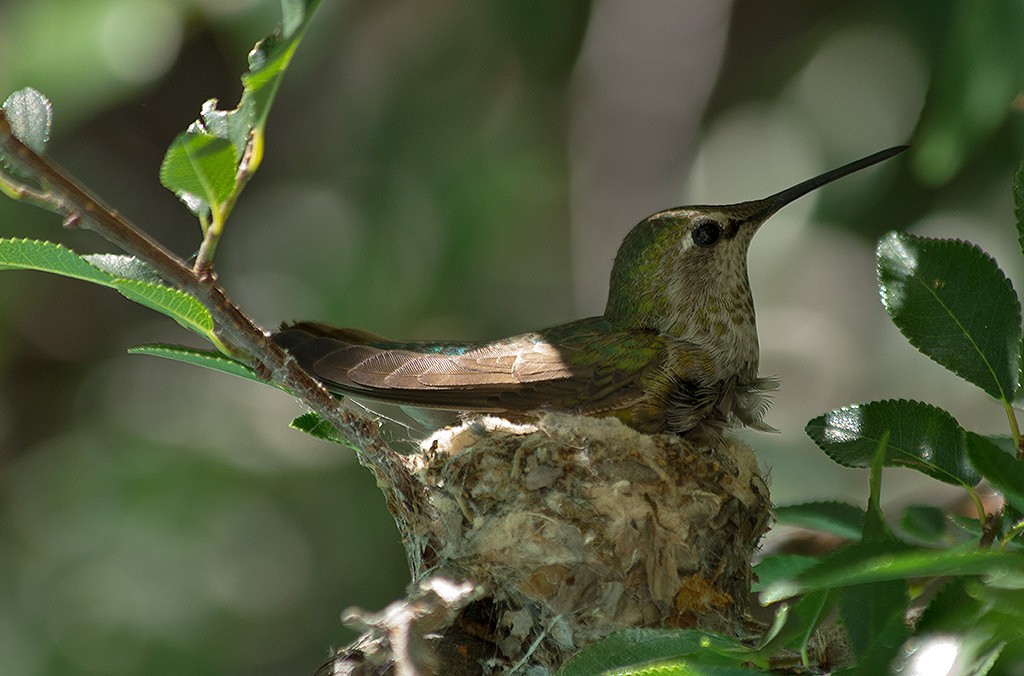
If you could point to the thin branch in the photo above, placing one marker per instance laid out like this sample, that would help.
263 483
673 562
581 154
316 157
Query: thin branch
247 340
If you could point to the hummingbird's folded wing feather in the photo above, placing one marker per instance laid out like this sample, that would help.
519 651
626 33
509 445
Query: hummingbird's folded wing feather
578 366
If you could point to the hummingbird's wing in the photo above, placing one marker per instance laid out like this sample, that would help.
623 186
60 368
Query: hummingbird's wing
581 367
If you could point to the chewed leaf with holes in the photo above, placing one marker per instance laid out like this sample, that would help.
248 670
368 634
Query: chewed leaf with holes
954 304
921 437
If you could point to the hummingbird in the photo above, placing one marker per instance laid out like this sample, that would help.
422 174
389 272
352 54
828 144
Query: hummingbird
675 351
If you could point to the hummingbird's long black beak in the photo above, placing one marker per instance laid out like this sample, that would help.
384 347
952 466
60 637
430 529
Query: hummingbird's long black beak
764 208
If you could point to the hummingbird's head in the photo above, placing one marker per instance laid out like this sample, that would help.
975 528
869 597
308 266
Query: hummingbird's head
684 271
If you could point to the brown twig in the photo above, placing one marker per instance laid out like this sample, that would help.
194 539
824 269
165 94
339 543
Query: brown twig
240 334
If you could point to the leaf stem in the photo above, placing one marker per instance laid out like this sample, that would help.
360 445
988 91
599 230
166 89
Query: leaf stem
979 508
220 212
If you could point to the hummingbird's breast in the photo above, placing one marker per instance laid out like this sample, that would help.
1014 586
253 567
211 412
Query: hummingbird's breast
720 319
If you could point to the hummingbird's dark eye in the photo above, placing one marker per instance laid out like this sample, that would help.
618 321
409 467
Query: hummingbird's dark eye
706 233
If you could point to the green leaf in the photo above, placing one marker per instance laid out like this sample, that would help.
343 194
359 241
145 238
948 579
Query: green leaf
924 522
775 569
795 623
877 561
268 61
200 167
294 14
951 609
874 617
30 254
922 437
633 647
1003 471
314 425
205 358
838 518
876 528
954 304
26 254
177 305
31 116
1007 601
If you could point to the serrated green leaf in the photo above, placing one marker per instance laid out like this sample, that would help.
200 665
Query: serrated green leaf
634 647
31 254
314 425
26 254
204 358
31 116
775 569
1003 471
124 267
200 166
924 522
177 305
921 437
865 562
838 518
953 303
950 609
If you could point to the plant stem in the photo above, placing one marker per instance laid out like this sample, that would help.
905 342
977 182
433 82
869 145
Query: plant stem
245 340
1011 416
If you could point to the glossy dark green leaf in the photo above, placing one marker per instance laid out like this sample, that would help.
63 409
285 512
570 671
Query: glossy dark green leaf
200 167
635 647
924 522
921 436
954 304
30 116
1003 471
838 518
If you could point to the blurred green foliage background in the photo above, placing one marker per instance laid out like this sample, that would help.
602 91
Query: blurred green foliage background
457 168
